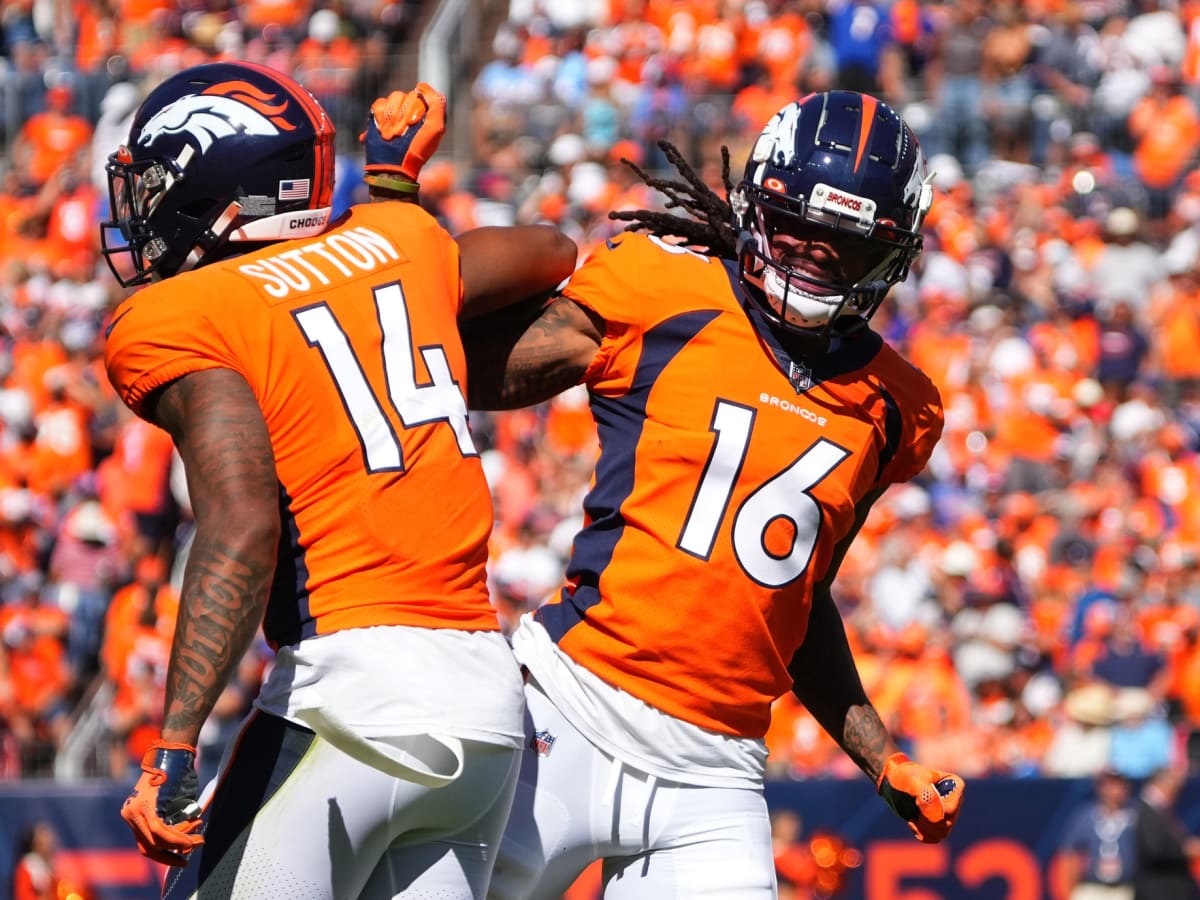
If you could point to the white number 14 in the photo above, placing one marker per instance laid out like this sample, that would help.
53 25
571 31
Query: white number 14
440 400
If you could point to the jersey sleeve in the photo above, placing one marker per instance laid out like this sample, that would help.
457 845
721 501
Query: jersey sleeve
922 419
634 282
162 333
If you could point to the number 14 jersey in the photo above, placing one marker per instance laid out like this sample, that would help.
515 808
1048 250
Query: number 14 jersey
350 343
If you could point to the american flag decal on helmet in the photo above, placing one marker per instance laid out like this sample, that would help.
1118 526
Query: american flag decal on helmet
296 189
541 743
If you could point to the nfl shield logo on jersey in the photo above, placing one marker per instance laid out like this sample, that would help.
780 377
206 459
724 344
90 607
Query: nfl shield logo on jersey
541 743
800 376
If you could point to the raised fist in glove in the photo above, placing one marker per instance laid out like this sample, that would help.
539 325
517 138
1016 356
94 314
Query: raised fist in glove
163 810
403 131
924 798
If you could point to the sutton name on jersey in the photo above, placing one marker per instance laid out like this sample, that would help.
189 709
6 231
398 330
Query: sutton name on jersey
350 253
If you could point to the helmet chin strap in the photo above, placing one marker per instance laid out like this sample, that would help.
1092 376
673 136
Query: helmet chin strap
213 236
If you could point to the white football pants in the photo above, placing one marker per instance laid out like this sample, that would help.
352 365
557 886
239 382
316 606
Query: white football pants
659 840
294 817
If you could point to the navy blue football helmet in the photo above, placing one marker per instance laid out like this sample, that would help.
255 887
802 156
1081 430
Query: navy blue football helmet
217 154
829 210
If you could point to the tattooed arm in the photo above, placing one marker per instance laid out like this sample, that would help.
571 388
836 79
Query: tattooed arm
529 352
825 676
218 427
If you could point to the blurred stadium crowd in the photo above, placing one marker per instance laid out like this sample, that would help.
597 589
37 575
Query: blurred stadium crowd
1030 606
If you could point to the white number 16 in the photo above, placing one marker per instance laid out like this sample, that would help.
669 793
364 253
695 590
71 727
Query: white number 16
785 496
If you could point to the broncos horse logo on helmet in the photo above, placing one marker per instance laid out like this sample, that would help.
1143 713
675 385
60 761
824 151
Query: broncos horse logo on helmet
213 160
838 168
220 111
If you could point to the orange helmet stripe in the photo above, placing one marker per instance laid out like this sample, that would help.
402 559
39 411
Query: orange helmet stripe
864 127
322 125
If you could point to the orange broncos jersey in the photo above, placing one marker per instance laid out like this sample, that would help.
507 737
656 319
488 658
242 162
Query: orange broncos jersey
350 343
727 474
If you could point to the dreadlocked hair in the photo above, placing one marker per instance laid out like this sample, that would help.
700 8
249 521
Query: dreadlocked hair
709 224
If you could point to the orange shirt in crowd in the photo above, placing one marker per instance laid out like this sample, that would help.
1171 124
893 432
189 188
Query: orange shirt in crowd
134 477
63 450
1166 132
53 138
31 360
257 14
935 699
97 35
716 64
759 101
1178 336
782 46
1031 425
121 621
941 351
1187 681
38 673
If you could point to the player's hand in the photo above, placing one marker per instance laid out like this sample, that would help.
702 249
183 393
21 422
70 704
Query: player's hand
403 131
163 810
924 798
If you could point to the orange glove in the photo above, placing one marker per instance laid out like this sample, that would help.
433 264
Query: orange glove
163 810
927 800
403 131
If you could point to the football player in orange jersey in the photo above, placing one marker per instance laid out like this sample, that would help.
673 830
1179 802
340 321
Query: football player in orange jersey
312 376
748 417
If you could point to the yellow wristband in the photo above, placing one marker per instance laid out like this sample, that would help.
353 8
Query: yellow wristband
392 183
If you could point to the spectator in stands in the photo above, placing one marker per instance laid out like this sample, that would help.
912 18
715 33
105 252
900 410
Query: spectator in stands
795 869
134 657
1142 738
1100 843
1082 743
50 139
860 35
326 62
660 108
85 565
34 633
1165 127
955 80
1128 266
1007 92
1174 315
1124 661
133 484
1065 74
38 874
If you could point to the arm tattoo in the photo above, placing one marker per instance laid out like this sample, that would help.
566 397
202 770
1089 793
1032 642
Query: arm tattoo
825 679
518 360
866 740
218 427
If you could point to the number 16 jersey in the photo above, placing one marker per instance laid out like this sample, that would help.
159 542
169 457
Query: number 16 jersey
728 472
